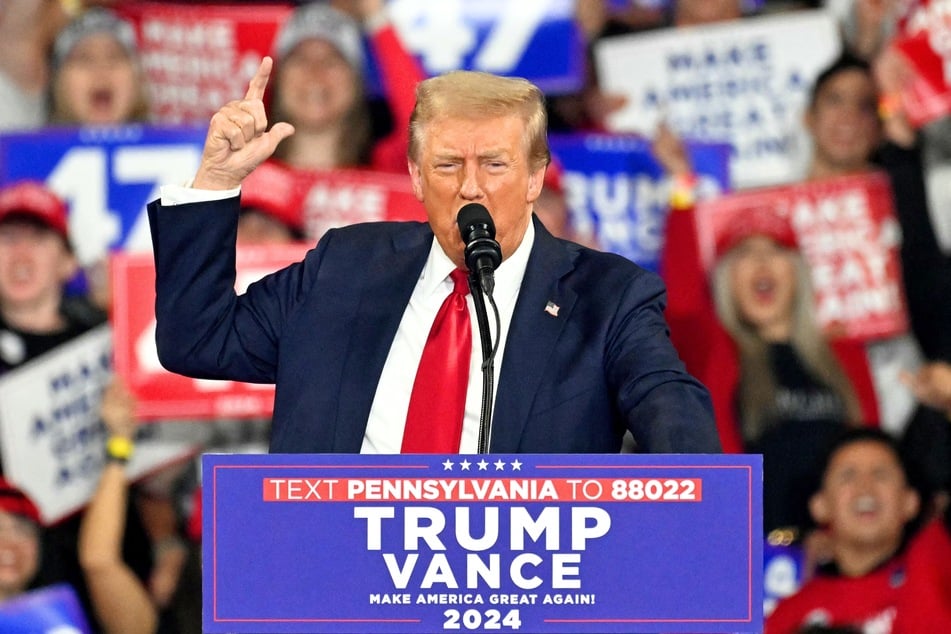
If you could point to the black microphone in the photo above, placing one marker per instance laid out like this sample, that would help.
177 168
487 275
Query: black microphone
483 253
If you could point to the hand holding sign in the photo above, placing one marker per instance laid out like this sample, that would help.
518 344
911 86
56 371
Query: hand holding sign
238 139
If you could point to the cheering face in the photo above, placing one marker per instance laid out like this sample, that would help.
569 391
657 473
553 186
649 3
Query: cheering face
865 499
844 122
317 87
19 553
34 265
98 83
763 282
484 161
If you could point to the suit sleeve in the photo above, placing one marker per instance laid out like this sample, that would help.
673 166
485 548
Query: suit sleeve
666 409
205 330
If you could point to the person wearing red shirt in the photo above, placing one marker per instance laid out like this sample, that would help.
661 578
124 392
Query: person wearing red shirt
883 576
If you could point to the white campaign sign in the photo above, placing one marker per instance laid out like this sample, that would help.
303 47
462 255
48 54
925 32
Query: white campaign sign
744 82
51 437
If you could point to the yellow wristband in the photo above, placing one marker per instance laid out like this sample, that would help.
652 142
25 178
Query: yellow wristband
889 105
683 193
119 448
71 8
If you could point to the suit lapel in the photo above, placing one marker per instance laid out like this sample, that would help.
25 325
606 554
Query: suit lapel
532 336
387 282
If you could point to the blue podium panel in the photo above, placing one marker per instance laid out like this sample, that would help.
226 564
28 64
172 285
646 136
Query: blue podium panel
482 543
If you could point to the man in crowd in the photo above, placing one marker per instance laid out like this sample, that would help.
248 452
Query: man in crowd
583 349
883 576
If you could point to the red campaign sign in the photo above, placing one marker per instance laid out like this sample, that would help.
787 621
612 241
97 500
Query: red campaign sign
199 56
924 40
161 394
343 197
847 230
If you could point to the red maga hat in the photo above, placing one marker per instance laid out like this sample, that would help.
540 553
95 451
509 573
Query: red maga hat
754 221
272 189
35 200
15 502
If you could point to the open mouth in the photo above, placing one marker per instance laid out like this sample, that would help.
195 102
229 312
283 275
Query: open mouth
865 506
102 99
764 289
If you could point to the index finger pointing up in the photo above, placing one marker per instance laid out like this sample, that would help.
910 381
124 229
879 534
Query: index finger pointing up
259 81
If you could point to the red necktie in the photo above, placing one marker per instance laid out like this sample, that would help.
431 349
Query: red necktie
438 402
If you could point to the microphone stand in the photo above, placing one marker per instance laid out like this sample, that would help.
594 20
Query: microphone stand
488 360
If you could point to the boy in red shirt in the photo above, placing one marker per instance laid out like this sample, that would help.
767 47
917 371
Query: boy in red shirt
881 578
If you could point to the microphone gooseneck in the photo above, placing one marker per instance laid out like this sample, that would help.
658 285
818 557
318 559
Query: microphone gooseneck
483 254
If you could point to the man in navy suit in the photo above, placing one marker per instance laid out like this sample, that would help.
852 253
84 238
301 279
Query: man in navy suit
583 355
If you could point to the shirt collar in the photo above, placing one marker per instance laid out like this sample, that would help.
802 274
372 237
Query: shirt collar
508 277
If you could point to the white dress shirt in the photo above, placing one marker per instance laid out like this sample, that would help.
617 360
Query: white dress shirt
388 414
384 433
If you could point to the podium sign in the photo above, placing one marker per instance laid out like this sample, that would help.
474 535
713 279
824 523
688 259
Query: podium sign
482 543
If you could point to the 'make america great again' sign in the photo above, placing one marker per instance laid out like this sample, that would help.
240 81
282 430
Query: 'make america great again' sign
485 543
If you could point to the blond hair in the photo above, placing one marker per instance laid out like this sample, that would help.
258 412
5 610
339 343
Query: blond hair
476 95
757 390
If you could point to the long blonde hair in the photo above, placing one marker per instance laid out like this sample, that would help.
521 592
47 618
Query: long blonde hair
757 389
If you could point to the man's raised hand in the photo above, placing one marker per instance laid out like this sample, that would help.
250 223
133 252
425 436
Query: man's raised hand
238 139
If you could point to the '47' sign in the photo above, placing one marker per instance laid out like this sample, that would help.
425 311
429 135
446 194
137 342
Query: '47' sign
535 39
107 175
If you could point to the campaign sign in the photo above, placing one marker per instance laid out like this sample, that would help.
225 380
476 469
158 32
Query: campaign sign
848 233
198 57
618 195
160 393
51 434
336 198
783 572
535 39
924 38
50 610
743 82
106 174
482 543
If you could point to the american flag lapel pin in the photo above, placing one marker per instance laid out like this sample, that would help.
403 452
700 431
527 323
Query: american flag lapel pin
552 308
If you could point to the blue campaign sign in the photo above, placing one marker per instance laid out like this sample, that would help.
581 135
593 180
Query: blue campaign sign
783 572
50 610
107 175
618 194
510 543
535 39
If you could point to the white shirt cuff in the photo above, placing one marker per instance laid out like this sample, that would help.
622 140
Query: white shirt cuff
181 195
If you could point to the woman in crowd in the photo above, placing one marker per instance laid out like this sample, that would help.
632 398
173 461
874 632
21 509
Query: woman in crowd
779 387
319 87
96 78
